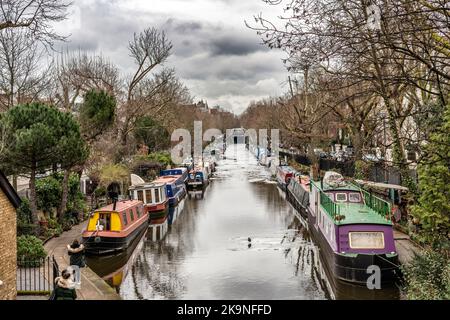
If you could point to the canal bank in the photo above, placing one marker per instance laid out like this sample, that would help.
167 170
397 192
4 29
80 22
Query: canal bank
92 286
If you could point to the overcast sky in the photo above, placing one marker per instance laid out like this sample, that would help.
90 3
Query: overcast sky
215 54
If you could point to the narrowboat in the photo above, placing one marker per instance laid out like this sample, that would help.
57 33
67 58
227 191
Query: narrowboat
198 178
113 228
297 194
175 188
353 229
176 172
153 195
284 175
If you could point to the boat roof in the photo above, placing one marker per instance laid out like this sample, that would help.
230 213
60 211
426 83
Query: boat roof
358 213
120 206
167 179
148 185
344 187
381 185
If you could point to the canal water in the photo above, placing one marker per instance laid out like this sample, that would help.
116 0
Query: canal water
240 239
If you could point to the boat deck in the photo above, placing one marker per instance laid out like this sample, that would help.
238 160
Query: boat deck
356 213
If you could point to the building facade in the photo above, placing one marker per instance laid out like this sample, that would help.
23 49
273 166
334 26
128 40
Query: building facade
9 202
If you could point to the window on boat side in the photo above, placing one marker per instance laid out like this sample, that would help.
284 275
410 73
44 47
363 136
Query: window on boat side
341 197
140 195
139 211
131 215
354 197
148 195
124 218
157 193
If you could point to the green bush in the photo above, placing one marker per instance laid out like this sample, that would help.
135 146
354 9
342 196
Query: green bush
363 170
30 250
428 277
48 192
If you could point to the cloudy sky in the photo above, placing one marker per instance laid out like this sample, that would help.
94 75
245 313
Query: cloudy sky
215 54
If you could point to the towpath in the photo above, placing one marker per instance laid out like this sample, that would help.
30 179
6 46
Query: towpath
92 286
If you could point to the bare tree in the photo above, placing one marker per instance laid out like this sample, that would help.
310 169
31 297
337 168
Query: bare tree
149 49
37 16
22 78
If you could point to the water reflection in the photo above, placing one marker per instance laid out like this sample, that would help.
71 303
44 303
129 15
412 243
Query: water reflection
238 240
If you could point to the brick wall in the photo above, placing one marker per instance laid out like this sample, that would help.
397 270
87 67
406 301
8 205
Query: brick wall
8 248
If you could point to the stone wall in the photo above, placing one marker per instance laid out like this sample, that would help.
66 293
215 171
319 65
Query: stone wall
8 248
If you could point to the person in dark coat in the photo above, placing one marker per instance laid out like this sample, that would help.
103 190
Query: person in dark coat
64 287
76 253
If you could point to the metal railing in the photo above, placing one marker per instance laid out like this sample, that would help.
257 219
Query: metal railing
380 206
36 276
330 207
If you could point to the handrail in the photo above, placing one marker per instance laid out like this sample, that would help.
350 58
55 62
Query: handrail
330 207
380 206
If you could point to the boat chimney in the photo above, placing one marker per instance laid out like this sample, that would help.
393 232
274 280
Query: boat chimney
115 203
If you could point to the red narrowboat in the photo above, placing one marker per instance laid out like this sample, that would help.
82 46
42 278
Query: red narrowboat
113 228
153 195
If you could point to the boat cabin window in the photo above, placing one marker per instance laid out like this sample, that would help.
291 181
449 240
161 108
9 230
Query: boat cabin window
139 212
104 220
354 197
124 218
341 197
140 195
131 215
157 195
148 195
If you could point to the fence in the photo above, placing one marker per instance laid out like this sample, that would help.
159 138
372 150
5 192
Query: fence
37 276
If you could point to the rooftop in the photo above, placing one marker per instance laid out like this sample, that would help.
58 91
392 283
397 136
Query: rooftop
120 206
356 213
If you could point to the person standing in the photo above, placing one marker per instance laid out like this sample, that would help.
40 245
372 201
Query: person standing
76 253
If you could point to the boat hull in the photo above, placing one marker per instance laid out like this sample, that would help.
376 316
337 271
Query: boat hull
300 206
354 269
111 245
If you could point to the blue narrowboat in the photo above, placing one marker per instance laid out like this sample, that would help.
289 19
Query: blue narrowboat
175 188
183 172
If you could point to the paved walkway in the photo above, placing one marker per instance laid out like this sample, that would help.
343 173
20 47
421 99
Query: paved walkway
92 286
406 248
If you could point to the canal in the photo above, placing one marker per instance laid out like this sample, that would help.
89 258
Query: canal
240 239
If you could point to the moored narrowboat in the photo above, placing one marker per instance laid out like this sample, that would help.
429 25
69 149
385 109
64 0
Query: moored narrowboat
297 194
353 229
113 228
153 195
198 178
284 175
174 187
183 172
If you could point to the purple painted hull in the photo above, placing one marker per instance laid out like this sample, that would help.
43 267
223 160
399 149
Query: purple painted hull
353 267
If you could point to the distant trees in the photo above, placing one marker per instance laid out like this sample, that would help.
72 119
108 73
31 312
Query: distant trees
40 137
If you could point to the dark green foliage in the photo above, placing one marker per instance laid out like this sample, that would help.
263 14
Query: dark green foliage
428 277
97 113
29 248
151 134
49 193
433 207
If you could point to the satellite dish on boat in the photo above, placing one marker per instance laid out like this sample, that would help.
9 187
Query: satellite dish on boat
135 180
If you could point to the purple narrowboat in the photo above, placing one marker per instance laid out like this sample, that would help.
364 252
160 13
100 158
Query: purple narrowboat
353 229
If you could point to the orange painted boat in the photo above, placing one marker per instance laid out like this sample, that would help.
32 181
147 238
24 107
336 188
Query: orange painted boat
113 228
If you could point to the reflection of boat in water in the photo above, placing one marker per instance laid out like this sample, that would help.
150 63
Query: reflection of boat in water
175 212
114 268
196 194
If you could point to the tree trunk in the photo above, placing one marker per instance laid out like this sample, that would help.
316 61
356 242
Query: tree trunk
33 205
64 197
